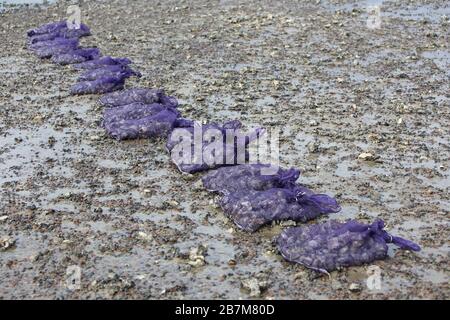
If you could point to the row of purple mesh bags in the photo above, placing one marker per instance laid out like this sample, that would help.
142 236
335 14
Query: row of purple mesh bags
250 198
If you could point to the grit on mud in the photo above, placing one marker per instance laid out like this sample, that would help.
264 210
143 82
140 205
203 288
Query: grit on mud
362 111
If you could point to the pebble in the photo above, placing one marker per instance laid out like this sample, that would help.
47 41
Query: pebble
6 243
354 287
94 138
197 256
255 287
367 156
232 262
313 147
144 236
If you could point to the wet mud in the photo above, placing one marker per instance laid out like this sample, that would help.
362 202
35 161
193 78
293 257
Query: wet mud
336 89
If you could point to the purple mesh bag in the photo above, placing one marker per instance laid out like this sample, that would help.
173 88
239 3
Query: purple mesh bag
208 161
251 209
48 28
134 111
61 32
76 56
107 72
102 62
101 85
184 123
141 95
54 42
138 120
248 176
331 245
46 52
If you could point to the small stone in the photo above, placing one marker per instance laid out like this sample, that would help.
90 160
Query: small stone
144 236
313 147
198 185
288 223
197 256
38 119
173 203
6 243
367 156
94 138
300 275
254 286
3 218
354 287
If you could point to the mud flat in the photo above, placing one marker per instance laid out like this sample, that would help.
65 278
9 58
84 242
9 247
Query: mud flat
70 196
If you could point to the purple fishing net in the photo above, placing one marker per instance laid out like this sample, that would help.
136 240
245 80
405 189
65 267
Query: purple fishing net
248 176
102 62
76 56
192 156
331 245
141 95
107 72
139 120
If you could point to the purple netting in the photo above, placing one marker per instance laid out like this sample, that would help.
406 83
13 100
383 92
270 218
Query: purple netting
186 158
48 51
256 194
54 42
102 62
107 72
184 123
138 120
134 111
48 28
331 245
61 32
141 95
101 85
251 209
249 176
76 56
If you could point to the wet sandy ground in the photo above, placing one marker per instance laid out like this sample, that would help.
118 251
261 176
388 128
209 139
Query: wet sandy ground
313 69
